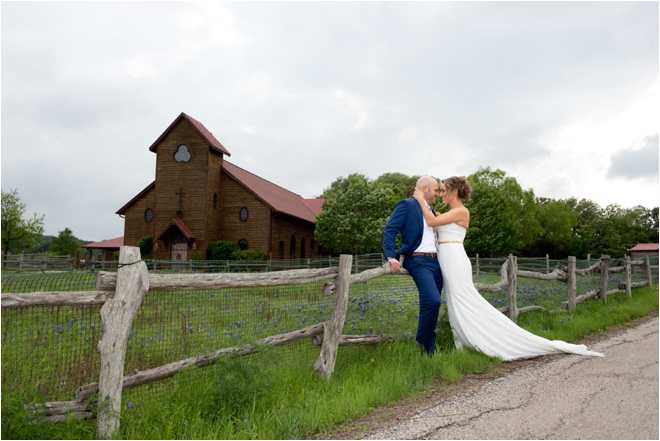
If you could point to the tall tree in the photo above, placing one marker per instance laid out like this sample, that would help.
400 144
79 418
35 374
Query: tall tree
17 231
403 183
557 221
65 243
502 219
341 184
353 220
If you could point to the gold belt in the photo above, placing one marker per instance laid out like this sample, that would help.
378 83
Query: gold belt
449 241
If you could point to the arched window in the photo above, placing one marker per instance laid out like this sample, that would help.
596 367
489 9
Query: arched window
243 214
242 244
293 246
149 215
302 248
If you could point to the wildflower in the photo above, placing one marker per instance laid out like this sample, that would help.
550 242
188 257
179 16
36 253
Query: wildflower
185 422
130 405
246 421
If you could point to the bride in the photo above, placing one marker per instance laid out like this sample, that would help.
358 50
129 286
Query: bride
475 323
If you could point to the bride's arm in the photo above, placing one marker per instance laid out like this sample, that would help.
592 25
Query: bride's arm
459 216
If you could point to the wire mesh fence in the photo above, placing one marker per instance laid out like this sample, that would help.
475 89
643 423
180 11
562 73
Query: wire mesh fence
53 350
360 263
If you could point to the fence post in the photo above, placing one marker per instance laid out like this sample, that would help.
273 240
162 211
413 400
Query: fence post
571 282
547 263
512 280
333 328
477 264
589 263
20 262
117 316
604 264
649 275
628 287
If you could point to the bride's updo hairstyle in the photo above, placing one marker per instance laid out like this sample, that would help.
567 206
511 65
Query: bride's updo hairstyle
458 183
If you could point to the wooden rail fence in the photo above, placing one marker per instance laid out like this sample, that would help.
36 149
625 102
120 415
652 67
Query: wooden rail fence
121 294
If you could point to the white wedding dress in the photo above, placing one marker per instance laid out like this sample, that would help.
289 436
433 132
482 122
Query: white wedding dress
476 323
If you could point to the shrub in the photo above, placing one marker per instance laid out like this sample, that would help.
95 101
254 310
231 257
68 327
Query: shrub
196 255
248 255
146 245
221 250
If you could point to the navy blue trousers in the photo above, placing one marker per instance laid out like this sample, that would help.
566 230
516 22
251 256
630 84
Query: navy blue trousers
425 271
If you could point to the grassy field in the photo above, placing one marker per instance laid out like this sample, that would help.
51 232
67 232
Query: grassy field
273 394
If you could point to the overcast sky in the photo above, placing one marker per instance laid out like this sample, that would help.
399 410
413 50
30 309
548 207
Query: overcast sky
561 96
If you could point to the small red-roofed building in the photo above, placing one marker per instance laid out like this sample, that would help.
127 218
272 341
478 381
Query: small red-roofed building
107 247
198 198
644 249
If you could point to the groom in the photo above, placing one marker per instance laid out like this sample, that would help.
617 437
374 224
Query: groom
418 250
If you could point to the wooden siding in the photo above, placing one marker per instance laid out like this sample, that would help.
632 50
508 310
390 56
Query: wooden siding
191 177
135 225
256 229
283 227
213 215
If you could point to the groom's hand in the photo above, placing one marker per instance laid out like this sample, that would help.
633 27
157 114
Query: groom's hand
395 265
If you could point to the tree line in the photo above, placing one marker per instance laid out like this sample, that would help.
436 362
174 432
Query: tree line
505 218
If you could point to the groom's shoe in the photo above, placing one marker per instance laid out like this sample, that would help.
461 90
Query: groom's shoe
424 350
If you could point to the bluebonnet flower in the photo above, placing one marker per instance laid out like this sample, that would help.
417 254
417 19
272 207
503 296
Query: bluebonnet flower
130 405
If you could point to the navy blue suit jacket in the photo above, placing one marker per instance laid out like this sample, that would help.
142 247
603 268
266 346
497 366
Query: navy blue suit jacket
407 219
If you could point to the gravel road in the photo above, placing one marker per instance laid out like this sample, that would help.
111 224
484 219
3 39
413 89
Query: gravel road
562 397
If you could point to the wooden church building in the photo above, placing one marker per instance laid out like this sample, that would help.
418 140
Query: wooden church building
198 198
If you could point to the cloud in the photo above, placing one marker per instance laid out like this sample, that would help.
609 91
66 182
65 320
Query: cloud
634 163
304 92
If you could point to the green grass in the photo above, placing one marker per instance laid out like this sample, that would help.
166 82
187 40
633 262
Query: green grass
255 398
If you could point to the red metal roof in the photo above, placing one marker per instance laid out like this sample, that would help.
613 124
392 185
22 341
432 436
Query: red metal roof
117 242
274 196
316 205
645 247
182 227
213 142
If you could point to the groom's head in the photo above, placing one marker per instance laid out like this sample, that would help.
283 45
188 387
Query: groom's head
429 187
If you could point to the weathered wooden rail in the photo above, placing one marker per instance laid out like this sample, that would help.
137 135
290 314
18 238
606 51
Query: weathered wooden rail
121 294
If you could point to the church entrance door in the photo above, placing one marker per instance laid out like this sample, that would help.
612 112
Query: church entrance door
179 247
